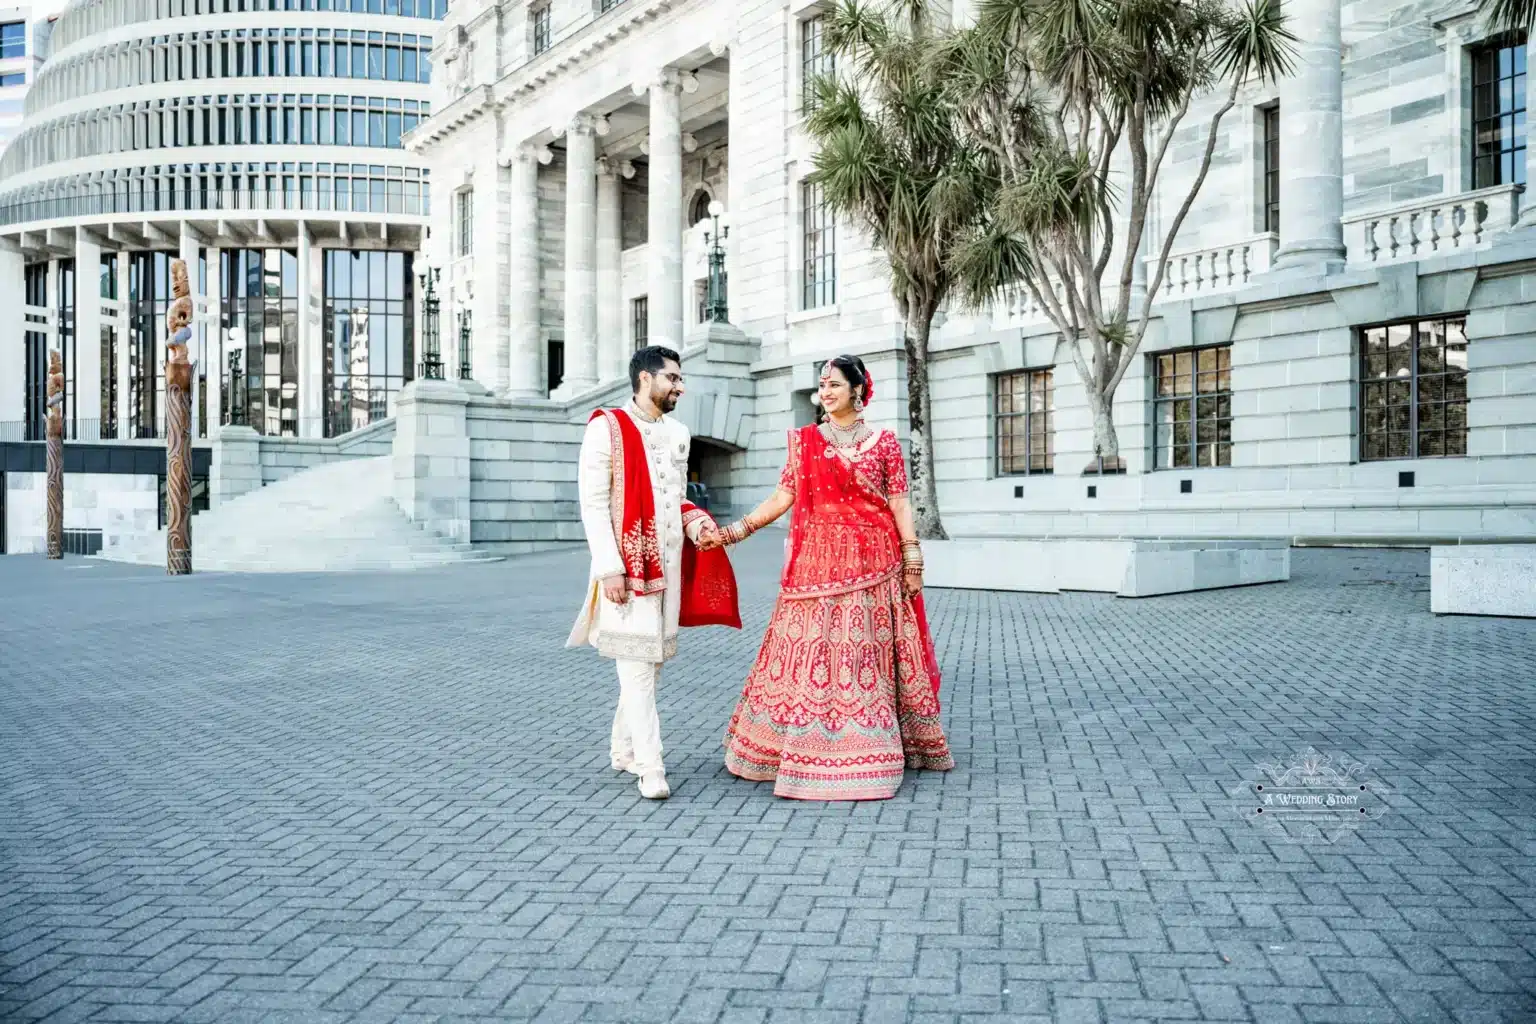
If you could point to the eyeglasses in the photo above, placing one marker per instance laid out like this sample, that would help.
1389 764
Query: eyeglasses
675 378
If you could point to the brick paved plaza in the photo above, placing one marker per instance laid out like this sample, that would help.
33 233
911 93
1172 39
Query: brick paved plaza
387 798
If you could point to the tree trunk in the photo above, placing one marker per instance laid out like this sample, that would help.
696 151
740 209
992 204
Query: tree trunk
1106 442
923 487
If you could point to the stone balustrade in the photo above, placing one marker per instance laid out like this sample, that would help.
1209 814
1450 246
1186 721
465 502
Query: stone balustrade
1016 306
1417 230
1213 269
1430 227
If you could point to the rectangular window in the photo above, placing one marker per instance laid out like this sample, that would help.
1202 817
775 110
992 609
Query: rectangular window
1192 408
1413 390
464 207
1271 116
13 40
1498 113
19 78
819 227
816 60
540 25
604 6
1023 413
640 320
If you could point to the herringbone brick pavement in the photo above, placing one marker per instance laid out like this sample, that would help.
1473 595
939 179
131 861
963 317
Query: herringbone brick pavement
387 798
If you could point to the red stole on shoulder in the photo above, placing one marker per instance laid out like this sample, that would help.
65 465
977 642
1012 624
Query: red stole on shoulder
709 585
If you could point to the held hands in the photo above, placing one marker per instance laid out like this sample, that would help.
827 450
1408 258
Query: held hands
709 539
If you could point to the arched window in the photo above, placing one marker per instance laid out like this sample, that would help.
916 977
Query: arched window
698 207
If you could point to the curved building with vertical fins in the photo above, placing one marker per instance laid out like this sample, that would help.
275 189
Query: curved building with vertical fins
260 140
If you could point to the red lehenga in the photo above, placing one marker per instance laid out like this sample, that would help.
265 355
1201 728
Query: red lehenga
844 693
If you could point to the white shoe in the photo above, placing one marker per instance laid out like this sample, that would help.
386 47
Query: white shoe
653 786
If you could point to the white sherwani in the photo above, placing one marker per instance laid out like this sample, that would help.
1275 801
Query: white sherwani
642 633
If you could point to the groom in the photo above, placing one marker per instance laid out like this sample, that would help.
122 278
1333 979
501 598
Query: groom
632 480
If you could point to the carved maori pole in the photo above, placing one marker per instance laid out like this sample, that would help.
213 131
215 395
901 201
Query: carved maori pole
55 433
178 427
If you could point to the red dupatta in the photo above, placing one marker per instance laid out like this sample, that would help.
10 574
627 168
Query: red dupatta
843 536
708 583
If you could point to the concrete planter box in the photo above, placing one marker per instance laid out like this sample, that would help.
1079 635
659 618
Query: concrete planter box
1483 579
1126 567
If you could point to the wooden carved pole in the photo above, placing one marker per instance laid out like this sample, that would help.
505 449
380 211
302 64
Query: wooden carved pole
178 427
55 433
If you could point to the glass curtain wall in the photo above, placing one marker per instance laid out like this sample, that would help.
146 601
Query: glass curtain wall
369 336
36 353
64 317
149 300
261 307
108 342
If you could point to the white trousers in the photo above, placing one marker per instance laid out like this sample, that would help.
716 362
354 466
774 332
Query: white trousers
636 726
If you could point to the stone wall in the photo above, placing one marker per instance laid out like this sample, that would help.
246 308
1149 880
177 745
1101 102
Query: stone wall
120 505
1295 364
282 457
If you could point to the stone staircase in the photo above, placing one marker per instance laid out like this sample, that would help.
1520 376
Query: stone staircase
336 517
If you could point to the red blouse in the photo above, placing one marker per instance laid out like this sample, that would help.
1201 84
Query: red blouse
843 536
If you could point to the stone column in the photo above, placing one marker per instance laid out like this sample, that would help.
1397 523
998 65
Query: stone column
189 250
488 357
1312 139
580 257
235 468
88 370
12 344
124 346
664 244
311 355
1527 200
525 350
217 364
612 361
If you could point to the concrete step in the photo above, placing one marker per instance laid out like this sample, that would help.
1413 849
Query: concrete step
336 517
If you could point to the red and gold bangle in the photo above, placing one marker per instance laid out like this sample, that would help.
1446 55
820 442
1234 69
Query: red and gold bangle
738 531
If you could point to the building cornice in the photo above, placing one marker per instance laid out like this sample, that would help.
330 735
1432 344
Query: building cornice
585 47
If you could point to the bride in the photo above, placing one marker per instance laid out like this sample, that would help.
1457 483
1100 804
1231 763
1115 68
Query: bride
844 693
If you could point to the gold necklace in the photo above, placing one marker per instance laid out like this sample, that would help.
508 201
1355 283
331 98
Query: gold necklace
845 437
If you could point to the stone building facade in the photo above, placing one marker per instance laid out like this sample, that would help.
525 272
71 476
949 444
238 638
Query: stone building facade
1344 347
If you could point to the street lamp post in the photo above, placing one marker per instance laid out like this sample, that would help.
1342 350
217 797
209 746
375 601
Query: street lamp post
465 372
715 310
431 354
235 414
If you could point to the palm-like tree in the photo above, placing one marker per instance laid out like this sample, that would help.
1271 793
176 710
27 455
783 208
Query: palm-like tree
1076 104
1509 15
891 160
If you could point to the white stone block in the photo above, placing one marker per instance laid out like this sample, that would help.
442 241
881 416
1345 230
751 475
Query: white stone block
1129 568
1483 579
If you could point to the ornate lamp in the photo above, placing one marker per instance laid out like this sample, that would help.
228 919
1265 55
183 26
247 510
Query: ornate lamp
464 339
235 414
431 353
715 310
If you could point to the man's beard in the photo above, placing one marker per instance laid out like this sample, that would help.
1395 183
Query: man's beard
665 402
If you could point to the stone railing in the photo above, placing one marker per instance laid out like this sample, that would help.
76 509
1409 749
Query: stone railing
1428 227
1191 272
1213 269
1015 306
